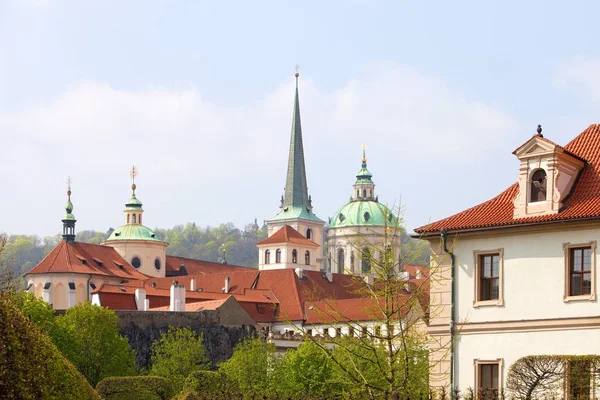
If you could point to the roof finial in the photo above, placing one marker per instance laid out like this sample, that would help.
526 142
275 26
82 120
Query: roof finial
69 187
297 74
364 157
539 130
133 173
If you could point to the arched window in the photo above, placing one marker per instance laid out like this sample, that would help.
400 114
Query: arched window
358 193
352 261
364 193
307 257
140 219
127 218
340 260
309 233
133 219
267 256
278 256
538 186
294 256
366 260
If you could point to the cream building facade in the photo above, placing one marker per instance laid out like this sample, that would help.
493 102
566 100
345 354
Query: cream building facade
516 276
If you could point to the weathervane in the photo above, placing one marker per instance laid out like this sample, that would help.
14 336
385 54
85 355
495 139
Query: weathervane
364 147
297 68
133 173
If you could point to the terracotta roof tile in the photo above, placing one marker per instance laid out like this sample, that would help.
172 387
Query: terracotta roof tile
583 203
118 301
287 234
195 267
86 258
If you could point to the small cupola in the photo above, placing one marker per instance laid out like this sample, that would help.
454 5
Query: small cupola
69 219
547 174
364 188
133 207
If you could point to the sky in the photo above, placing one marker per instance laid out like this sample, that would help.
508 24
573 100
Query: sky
198 96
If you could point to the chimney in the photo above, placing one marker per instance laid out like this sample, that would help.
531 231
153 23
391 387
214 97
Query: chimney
226 288
181 298
368 279
299 273
193 285
140 299
404 275
174 294
419 274
329 276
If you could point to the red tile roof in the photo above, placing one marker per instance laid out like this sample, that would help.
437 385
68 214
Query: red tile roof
583 203
117 301
86 258
196 306
349 310
195 267
287 234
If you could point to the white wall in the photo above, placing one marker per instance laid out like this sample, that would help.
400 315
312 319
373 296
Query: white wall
534 277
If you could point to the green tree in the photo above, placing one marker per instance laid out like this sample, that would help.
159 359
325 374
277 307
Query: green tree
306 370
250 367
37 310
178 353
89 337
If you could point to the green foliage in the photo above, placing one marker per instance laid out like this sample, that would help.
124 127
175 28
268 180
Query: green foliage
31 367
37 310
307 370
135 388
88 336
250 366
178 353
209 385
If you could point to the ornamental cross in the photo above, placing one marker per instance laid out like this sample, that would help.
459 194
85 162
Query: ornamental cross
297 68
69 183
133 173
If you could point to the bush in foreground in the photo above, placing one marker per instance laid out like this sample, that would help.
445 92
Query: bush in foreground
31 367
135 387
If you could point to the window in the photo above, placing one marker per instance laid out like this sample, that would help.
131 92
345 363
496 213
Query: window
133 216
309 332
358 194
580 268
157 263
538 186
307 257
580 260
352 261
136 262
294 256
267 256
351 331
278 256
488 276
309 233
579 379
340 261
364 193
366 260
488 378
127 218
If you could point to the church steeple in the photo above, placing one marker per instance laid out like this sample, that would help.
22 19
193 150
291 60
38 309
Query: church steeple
364 188
133 207
296 189
69 219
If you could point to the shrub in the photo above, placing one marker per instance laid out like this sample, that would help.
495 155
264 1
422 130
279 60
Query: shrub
209 385
178 353
135 387
31 367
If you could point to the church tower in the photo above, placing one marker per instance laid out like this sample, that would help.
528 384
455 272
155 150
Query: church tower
137 243
295 211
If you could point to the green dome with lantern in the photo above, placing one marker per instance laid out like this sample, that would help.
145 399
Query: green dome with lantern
364 208
133 232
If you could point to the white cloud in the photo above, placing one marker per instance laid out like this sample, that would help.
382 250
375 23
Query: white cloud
209 164
581 73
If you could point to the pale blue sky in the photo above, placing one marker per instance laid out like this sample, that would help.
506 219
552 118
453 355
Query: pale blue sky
199 96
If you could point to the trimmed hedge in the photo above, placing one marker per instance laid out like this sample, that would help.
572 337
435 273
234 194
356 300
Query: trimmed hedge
135 387
209 385
31 367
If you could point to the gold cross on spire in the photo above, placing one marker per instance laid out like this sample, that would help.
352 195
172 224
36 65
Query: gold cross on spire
133 173
297 68
364 148
69 186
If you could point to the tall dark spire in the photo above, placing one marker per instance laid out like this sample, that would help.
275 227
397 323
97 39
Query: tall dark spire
296 190
69 219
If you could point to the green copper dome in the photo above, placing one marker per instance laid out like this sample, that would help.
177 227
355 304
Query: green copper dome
363 213
69 210
133 232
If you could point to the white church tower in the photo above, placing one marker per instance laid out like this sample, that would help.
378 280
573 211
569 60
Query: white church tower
296 233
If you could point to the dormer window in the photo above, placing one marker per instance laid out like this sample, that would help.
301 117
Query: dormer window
538 186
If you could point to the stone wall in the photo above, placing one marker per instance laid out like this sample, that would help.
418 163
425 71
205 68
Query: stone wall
142 328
